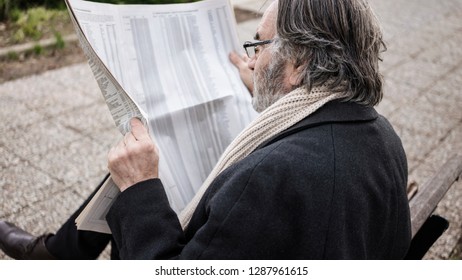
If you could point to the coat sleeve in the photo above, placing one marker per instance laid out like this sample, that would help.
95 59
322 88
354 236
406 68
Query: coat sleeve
143 224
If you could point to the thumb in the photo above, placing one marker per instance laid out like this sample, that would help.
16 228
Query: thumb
138 130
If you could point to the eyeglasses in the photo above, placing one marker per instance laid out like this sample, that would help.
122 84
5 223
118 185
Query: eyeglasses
251 48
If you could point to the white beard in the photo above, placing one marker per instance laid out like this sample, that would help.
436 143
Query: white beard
269 85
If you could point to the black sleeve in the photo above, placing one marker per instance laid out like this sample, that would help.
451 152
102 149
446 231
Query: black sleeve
143 224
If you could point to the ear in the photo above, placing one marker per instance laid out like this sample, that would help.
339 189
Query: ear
295 77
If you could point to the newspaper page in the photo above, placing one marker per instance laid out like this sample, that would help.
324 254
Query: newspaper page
120 104
167 64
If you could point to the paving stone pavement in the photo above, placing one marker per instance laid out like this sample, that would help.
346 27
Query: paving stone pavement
56 129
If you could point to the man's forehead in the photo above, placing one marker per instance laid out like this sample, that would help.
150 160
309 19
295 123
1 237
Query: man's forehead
267 27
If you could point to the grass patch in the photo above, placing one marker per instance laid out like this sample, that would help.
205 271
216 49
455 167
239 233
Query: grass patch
38 50
12 56
60 43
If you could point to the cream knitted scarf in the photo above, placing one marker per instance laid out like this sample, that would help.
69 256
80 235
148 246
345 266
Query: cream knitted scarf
284 113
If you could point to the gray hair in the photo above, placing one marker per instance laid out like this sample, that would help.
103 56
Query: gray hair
336 42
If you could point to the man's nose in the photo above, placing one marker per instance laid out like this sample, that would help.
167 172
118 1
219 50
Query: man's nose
251 63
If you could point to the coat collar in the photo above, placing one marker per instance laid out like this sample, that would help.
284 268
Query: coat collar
332 112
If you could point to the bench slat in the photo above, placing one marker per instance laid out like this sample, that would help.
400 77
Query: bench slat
429 195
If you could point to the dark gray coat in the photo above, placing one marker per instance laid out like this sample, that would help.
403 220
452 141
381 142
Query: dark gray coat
331 187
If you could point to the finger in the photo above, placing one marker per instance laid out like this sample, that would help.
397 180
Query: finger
237 60
138 131
129 138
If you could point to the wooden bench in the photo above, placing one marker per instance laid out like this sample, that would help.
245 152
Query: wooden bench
427 227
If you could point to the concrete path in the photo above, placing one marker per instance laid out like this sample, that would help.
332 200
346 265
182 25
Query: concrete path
56 130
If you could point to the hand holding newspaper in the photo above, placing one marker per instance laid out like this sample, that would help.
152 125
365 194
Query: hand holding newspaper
168 66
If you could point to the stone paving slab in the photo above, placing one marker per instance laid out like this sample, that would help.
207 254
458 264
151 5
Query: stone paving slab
425 73
51 158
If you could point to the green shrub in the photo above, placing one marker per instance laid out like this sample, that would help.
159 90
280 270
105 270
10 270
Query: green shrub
34 22
143 2
31 23
7 7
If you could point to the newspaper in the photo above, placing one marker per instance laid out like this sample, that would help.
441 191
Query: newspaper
167 65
